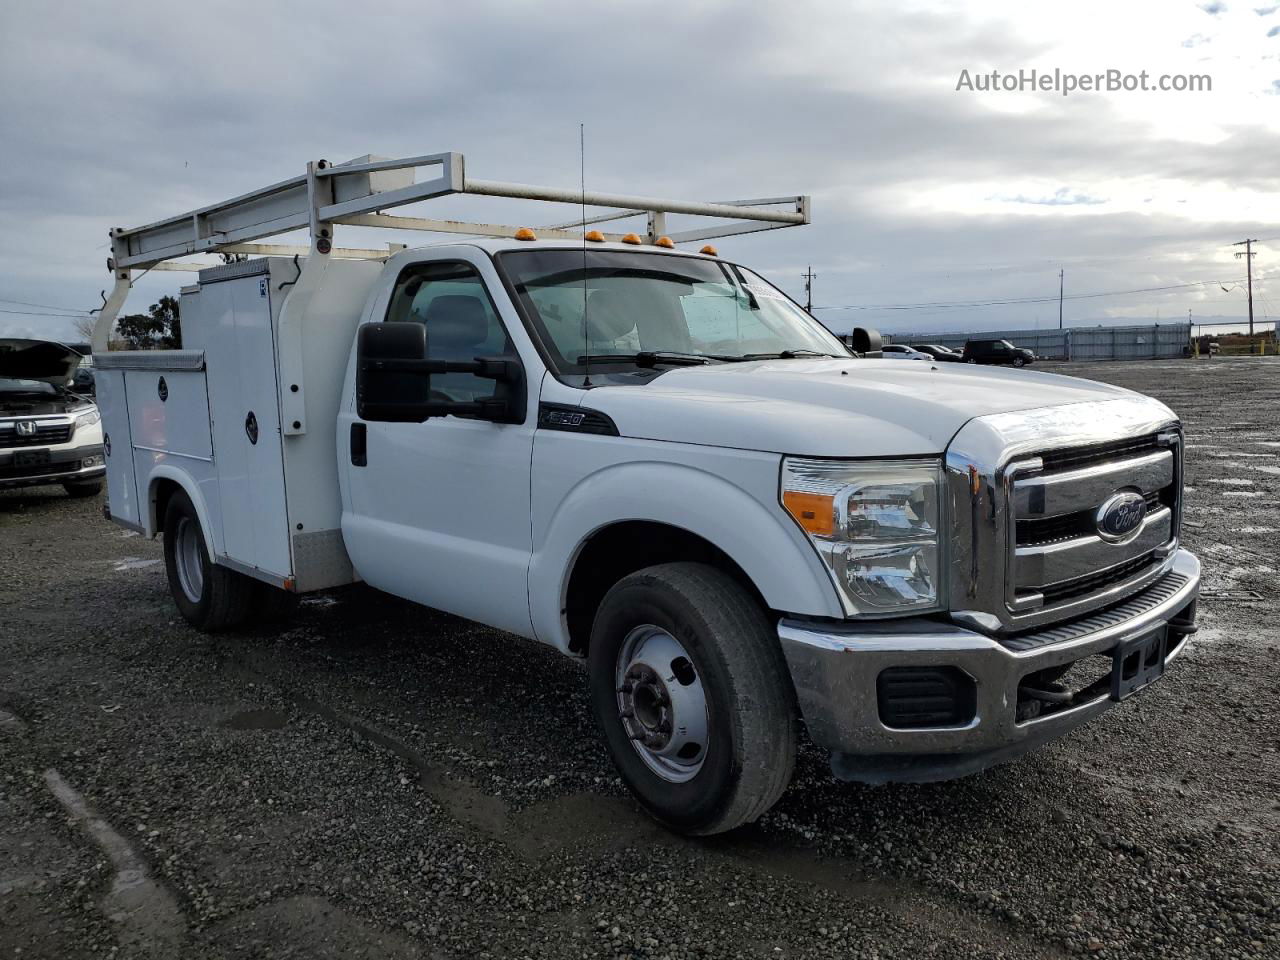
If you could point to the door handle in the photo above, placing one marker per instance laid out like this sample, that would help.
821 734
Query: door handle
359 445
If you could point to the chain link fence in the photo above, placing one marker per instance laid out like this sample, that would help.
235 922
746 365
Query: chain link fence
1153 342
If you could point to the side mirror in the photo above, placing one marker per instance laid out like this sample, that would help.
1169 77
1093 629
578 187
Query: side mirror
385 390
865 342
393 379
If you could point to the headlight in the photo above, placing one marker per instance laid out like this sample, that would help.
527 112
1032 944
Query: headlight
88 419
875 524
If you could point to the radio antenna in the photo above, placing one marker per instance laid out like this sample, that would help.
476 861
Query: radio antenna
582 181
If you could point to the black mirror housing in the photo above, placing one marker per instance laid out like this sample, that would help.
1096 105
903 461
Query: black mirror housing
865 342
385 391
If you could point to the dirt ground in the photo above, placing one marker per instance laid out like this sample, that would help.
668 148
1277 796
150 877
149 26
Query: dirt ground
372 779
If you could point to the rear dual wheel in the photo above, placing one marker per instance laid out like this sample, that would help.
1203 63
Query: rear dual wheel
692 693
209 596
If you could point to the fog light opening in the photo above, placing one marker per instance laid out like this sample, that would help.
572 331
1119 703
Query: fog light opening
915 698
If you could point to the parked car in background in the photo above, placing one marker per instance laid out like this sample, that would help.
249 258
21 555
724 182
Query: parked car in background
937 352
996 351
49 433
900 351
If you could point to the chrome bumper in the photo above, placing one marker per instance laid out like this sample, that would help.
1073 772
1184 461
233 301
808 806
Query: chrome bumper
835 671
64 466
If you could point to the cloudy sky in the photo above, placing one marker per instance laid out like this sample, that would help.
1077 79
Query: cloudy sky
119 114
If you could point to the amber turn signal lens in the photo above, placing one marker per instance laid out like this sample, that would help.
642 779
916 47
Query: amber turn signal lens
665 242
524 233
710 251
631 238
815 512
595 236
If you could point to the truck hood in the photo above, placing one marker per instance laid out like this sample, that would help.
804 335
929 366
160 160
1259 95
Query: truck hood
41 360
831 407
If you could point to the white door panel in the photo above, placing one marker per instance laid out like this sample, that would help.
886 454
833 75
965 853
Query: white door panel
439 512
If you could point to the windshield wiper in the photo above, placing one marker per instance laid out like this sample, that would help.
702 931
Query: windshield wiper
648 358
787 355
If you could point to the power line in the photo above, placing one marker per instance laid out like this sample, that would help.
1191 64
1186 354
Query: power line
960 304
32 313
49 306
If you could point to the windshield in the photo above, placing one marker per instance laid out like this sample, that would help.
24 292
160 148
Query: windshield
10 385
650 303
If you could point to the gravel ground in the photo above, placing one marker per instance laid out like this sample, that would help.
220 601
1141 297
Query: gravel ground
373 779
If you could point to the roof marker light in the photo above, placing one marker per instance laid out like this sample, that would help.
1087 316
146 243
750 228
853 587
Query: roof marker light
595 236
524 233
665 242
631 238
710 251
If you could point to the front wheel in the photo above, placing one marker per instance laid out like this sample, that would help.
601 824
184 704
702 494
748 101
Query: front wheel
971 360
90 488
691 690
209 596
1019 362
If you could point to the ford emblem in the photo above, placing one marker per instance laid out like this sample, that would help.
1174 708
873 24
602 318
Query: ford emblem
1121 515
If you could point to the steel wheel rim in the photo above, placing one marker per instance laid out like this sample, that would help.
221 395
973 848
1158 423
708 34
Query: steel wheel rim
662 703
187 551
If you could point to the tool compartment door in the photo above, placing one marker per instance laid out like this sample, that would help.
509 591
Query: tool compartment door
122 490
236 336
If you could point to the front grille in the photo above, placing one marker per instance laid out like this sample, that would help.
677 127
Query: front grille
1081 524
1095 582
1060 561
43 437
40 470
1076 457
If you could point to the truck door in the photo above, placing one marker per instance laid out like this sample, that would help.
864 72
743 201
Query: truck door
438 512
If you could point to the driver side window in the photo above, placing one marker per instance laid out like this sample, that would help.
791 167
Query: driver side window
450 299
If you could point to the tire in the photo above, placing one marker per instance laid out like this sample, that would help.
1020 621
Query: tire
971 360
209 596
734 667
77 490
1019 362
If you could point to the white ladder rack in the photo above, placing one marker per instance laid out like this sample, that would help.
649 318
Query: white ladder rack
356 193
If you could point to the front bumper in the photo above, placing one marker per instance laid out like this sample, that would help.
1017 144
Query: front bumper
64 466
836 668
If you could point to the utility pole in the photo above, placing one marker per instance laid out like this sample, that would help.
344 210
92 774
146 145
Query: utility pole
808 289
1060 274
1248 255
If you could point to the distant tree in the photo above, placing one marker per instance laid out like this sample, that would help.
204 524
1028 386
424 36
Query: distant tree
84 327
158 329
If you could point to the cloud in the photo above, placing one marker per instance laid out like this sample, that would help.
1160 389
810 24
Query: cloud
1062 197
1274 31
1266 11
1214 7
854 103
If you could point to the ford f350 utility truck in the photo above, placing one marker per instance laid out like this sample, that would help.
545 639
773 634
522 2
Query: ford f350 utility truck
653 460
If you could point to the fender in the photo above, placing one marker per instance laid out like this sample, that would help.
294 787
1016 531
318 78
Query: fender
770 549
167 471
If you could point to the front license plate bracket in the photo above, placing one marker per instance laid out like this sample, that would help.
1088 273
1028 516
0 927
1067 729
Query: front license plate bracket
1137 662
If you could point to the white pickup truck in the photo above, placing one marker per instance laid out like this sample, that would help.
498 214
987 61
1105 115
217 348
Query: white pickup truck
653 460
